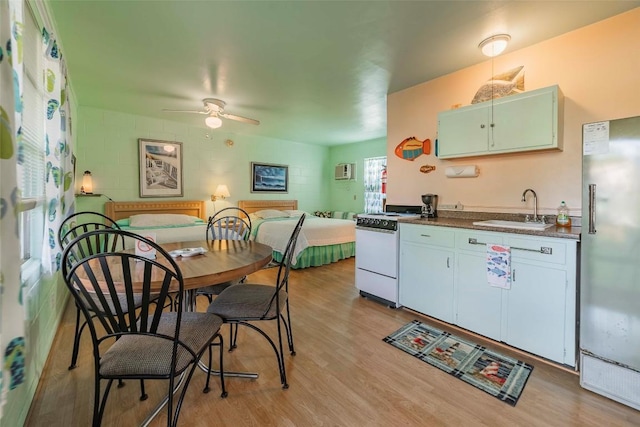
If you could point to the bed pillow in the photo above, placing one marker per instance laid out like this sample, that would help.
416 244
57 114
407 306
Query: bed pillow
323 214
294 213
271 213
158 220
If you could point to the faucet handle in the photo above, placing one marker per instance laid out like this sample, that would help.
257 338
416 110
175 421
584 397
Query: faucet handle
543 219
526 218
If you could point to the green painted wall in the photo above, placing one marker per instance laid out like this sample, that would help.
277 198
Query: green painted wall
108 147
348 195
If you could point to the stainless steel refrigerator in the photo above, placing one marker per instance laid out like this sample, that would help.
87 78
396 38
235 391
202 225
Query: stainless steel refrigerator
610 260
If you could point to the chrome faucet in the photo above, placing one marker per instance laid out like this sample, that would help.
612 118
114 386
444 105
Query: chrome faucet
535 207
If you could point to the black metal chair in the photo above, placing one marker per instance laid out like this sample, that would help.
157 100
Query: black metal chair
71 228
227 224
241 304
148 343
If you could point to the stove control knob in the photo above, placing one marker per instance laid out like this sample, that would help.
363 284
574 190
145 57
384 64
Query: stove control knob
385 223
376 222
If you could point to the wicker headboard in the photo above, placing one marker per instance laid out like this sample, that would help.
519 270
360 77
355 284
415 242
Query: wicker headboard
251 206
120 210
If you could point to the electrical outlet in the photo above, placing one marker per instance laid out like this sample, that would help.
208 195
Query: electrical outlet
447 207
459 206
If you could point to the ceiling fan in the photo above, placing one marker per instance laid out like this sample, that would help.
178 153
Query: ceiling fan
214 110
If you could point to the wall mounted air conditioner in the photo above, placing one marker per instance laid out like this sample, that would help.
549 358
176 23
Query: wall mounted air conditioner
345 171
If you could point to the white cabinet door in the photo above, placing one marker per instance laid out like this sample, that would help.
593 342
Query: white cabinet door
535 315
479 306
525 124
463 132
426 280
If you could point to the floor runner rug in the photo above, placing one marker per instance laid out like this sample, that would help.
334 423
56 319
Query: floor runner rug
501 376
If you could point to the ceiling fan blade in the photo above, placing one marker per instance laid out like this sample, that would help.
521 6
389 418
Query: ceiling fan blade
239 118
185 111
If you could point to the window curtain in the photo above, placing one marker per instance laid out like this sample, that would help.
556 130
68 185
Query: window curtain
373 196
59 169
12 312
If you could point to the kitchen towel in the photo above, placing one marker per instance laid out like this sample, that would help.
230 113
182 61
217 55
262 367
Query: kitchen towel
499 265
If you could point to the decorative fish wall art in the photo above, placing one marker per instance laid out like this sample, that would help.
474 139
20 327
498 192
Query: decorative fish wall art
411 147
427 168
504 84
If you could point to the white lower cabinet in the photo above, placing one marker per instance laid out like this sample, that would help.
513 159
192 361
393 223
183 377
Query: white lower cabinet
479 306
427 258
537 314
535 310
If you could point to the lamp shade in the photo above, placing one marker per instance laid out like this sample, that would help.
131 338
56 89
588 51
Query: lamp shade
213 122
222 191
87 182
494 45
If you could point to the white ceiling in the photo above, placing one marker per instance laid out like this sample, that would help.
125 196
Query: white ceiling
311 71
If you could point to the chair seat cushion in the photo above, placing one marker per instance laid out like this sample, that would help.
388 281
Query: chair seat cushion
138 355
247 301
216 289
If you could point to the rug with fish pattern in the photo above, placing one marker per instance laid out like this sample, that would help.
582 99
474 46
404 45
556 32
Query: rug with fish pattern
501 376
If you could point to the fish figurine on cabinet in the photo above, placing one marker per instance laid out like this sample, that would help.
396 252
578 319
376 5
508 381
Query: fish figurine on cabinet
412 147
427 168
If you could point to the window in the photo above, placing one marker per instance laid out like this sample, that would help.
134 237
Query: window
31 166
374 191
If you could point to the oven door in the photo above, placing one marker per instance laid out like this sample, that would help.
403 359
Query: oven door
377 251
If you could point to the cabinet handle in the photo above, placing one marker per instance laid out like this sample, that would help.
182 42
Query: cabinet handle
425 235
513 275
492 124
482 126
448 262
543 249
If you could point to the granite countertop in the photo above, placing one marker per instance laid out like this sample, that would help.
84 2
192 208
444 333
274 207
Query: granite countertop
456 219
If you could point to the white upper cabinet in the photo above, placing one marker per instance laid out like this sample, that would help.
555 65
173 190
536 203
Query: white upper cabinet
525 122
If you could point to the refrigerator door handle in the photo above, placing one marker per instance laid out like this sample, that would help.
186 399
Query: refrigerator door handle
592 209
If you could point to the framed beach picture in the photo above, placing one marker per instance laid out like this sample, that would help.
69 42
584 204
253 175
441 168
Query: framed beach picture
269 178
160 168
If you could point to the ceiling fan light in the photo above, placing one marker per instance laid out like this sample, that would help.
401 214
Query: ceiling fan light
494 45
213 122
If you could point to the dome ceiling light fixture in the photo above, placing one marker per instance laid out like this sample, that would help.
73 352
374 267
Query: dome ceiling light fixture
213 121
494 45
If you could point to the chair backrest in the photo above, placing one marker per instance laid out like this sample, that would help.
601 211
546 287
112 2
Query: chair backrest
282 281
229 224
89 244
82 222
108 284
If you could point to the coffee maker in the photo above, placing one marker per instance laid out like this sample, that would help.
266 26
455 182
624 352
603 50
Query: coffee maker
430 203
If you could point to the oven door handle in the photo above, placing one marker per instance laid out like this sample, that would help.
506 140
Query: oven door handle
375 230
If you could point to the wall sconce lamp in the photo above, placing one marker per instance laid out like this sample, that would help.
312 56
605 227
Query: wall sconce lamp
494 45
87 183
221 192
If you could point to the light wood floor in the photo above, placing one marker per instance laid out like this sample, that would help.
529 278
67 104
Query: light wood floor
343 375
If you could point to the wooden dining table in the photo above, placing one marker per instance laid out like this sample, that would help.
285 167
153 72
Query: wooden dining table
222 261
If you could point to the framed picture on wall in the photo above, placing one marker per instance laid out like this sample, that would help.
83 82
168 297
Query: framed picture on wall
160 168
269 178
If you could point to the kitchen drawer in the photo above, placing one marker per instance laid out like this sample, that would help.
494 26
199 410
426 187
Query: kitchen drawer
543 250
476 241
427 235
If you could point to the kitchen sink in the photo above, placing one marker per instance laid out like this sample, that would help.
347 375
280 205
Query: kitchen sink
518 225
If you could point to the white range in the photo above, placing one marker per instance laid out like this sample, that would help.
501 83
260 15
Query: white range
377 250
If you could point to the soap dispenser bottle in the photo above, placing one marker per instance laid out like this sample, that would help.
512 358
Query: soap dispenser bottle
563 219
